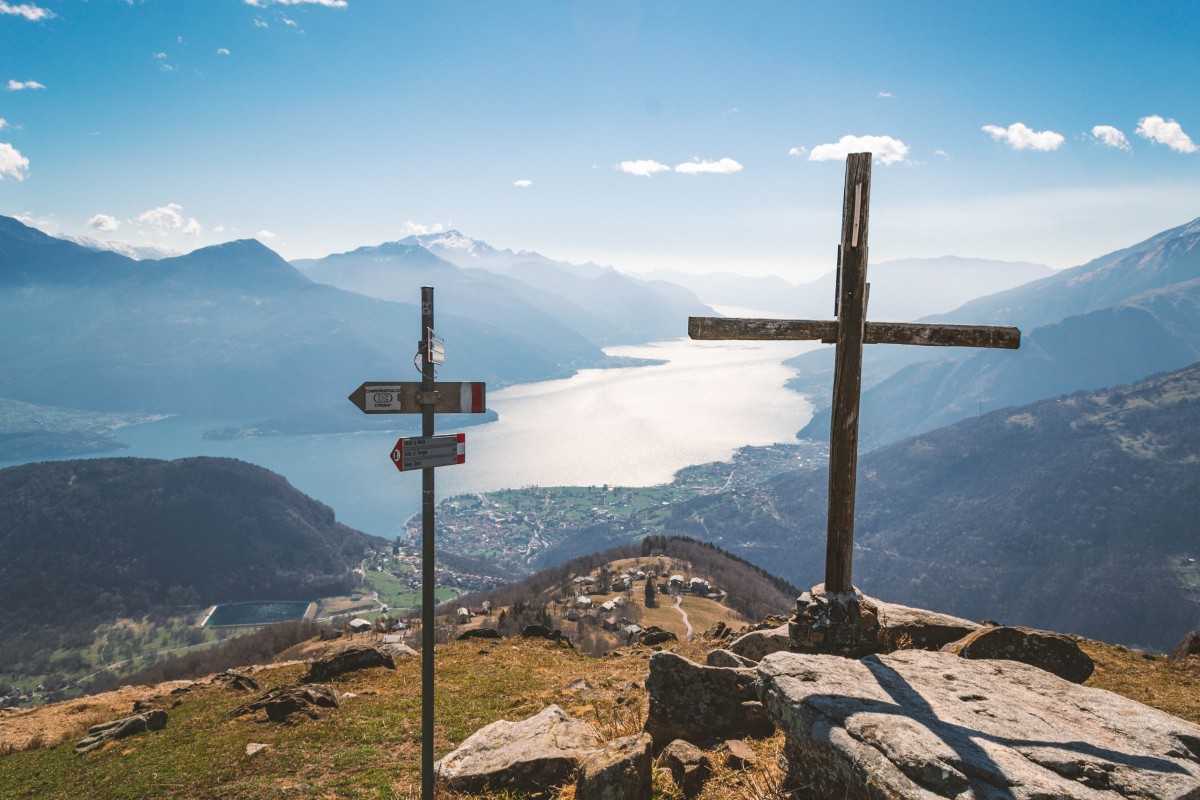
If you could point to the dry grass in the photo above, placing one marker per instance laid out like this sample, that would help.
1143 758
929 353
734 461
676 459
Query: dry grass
1146 678
370 747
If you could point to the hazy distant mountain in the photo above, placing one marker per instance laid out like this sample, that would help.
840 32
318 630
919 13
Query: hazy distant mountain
1075 514
1113 320
88 542
138 252
398 270
606 306
901 290
231 330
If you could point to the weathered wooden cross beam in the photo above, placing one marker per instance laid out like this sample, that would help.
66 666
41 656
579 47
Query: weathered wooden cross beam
850 331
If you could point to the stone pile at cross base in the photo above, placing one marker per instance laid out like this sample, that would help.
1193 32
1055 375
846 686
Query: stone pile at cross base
904 704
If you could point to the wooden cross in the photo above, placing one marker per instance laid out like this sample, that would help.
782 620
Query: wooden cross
850 331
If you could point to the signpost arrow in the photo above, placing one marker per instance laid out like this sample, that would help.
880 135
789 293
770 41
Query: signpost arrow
404 397
426 452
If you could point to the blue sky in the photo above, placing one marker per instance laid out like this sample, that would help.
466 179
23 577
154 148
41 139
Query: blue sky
688 135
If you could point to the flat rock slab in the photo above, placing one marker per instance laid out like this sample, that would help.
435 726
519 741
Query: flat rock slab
921 725
350 658
532 755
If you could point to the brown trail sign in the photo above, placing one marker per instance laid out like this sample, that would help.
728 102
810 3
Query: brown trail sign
850 331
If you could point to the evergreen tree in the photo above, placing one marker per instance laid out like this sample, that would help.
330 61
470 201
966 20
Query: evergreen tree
650 601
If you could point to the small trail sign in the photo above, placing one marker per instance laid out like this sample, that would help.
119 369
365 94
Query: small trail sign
404 397
427 452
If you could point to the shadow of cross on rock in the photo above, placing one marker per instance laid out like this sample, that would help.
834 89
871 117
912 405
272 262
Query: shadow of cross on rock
918 724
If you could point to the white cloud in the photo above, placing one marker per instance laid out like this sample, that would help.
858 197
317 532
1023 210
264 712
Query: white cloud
797 151
731 110
942 154
166 219
887 150
16 86
885 95
416 229
222 51
1167 132
219 229
160 55
12 163
643 167
259 22
27 10
3 123
290 22
264 234
1113 137
1019 136
103 223
725 166
524 183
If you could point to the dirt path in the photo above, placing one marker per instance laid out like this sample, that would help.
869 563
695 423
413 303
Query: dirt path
683 614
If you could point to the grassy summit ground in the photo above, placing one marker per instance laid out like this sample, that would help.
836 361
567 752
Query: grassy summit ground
370 747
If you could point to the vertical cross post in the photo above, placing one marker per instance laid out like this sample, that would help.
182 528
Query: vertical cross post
847 376
428 570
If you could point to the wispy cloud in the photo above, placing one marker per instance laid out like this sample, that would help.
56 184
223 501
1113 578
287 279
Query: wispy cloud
885 95
27 10
1166 131
265 235
222 51
942 154
524 183
167 219
725 166
797 151
259 22
3 123
887 150
103 223
643 167
1110 136
17 86
1019 136
411 228
12 163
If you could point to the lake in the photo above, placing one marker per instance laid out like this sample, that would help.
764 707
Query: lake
633 426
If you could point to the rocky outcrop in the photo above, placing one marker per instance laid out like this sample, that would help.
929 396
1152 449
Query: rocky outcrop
905 628
349 659
282 703
1052 652
235 681
618 771
864 626
1189 645
533 755
656 635
479 633
923 725
690 767
702 705
99 735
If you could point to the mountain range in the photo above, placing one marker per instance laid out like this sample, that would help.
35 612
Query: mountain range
234 331
1116 319
1074 514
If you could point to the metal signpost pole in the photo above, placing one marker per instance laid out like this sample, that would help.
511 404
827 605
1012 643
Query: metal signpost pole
428 572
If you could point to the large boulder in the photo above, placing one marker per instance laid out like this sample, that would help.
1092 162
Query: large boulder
99 735
702 705
618 771
533 755
1052 652
905 628
757 645
282 702
350 658
922 725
